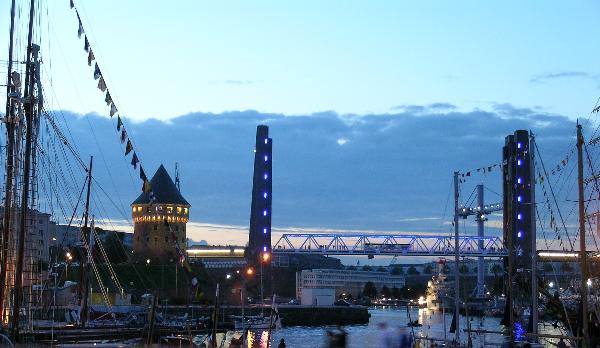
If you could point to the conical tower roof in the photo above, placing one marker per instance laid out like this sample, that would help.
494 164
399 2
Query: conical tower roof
164 190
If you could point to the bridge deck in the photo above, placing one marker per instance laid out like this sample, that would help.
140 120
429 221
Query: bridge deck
387 244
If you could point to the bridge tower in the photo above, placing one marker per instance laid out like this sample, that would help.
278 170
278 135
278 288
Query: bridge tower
520 223
259 243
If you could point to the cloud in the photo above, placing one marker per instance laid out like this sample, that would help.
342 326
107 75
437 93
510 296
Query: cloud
395 168
239 82
342 141
542 78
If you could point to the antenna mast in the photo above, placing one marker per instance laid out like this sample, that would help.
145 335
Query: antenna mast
177 182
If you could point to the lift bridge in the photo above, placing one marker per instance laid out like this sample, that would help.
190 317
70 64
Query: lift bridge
387 244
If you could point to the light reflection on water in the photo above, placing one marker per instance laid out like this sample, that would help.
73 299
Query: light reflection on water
360 336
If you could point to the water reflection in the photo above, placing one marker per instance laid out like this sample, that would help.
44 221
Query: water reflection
435 325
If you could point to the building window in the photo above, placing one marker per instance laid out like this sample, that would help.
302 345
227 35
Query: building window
155 240
155 227
176 228
147 209
170 210
166 239
41 232
178 210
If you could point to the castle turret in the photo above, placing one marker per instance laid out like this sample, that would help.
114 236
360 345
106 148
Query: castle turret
151 238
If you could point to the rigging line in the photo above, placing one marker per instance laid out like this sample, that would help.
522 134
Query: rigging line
537 149
65 187
124 215
492 191
446 206
554 271
125 251
596 185
46 164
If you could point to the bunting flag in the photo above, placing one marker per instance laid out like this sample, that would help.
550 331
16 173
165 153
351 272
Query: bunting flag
91 57
596 109
97 73
102 84
113 107
80 30
147 188
142 173
134 161
128 148
123 135
113 110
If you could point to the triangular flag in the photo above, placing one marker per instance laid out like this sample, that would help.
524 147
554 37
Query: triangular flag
147 188
72 4
108 99
489 169
91 57
468 173
102 84
97 73
113 110
123 135
134 161
142 174
119 123
128 148
80 30
86 45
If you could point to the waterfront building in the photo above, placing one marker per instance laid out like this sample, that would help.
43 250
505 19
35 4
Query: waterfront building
154 240
346 281
223 257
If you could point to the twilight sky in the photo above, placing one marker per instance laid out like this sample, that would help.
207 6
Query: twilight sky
371 105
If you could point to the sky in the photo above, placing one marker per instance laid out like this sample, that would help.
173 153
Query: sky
371 105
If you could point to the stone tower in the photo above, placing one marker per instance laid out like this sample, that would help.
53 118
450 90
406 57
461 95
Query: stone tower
151 238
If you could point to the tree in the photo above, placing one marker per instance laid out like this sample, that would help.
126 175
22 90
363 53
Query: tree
370 290
548 267
367 268
385 292
381 269
397 270
463 269
428 269
412 270
351 268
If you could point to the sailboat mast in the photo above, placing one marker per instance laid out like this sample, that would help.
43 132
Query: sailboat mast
582 247
456 261
86 240
28 101
10 143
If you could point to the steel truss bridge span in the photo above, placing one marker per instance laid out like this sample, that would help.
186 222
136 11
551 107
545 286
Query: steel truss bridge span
387 244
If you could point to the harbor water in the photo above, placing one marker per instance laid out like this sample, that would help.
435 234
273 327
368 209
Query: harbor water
360 336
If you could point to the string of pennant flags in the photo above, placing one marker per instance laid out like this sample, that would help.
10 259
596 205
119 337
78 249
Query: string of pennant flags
124 137
482 170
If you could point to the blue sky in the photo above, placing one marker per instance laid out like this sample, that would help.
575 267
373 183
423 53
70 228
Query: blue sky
372 105
308 56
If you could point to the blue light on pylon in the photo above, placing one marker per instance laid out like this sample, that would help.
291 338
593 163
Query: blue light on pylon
519 145
265 212
519 216
266 176
519 180
266 158
264 231
265 195
519 199
266 140
519 162
520 234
